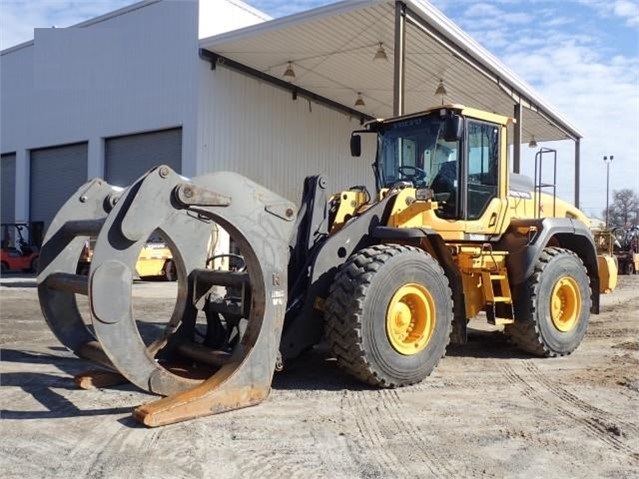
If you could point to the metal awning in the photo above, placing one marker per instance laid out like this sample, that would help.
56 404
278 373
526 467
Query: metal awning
331 50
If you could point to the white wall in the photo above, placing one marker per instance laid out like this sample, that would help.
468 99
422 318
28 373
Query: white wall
253 128
127 72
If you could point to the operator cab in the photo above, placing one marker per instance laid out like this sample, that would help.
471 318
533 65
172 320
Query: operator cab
446 151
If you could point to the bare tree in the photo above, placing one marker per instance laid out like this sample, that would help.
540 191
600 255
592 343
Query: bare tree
624 209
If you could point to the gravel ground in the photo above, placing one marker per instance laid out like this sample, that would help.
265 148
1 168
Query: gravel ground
487 411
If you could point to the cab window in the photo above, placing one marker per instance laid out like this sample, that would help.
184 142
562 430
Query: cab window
483 167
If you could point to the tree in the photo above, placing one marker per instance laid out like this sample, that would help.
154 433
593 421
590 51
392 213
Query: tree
624 209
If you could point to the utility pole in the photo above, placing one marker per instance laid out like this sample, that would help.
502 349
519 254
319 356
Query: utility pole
607 161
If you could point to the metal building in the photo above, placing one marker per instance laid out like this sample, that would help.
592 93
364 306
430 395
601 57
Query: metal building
201 86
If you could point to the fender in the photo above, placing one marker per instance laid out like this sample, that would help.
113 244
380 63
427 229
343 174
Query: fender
525 239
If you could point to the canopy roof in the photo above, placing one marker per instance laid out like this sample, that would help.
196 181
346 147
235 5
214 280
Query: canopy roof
331 51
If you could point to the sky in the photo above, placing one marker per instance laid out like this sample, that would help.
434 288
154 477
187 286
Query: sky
582 56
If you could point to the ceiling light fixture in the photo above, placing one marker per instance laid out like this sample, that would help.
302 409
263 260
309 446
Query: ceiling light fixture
289 72
533 143
360 101
441 90
380 54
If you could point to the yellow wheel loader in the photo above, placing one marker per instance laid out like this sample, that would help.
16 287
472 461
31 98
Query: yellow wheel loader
155 260
388 278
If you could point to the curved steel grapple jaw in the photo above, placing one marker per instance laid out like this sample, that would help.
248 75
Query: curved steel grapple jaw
184 211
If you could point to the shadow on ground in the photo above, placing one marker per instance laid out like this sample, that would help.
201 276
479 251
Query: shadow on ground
315 370
487 344
44 387
18 284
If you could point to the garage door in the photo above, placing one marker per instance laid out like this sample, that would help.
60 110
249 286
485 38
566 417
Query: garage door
8 185
128 157
56 173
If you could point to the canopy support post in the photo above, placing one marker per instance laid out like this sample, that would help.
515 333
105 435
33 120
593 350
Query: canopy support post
517 129
400 52
577 169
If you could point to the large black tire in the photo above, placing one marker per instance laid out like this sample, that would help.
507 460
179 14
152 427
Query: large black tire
357 309
630 268
170 271
534 330
35 263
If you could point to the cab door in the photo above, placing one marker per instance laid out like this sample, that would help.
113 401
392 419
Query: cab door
483 193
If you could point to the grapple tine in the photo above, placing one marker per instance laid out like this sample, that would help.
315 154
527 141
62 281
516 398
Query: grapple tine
79 218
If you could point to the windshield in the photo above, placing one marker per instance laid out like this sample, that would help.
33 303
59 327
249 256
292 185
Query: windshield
413 150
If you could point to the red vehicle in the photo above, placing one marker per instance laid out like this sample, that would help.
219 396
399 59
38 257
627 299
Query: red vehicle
18 253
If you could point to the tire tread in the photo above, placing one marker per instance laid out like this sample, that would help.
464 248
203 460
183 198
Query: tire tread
525 331
344 311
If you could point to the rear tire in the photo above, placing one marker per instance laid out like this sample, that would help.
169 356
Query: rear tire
35 263
5 267
630 268
170 272
375 294
553 308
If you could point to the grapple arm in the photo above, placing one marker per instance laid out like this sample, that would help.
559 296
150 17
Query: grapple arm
261 224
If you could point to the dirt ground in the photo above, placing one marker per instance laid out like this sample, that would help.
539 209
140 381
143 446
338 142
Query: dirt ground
487 411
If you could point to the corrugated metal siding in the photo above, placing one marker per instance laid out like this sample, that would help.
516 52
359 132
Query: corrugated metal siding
129 157
258 130
8 185
55 174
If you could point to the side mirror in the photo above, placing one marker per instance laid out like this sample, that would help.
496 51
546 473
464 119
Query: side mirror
453 128
356 145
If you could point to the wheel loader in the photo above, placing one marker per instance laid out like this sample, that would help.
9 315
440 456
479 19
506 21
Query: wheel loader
388 278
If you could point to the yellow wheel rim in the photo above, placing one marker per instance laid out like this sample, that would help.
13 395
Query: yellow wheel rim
410 319
565 304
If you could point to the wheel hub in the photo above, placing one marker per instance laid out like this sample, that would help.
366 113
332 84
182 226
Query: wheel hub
410 319
565 304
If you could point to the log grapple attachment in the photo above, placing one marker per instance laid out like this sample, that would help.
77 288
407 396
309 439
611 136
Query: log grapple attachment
243 323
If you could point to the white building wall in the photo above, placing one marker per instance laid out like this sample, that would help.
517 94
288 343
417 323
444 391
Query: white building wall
138 69
258 130
130 71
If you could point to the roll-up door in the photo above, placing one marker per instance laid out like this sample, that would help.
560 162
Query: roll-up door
8 185
56 173
128 157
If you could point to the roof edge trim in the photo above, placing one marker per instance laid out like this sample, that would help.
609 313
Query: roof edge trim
91 21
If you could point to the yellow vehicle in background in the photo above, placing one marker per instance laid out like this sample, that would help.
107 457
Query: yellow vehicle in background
155 260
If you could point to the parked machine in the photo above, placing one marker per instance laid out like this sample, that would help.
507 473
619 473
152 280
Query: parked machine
19 250
626 249
388 277
154 262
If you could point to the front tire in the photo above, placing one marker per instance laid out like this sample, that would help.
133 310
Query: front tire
389 315
553 308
